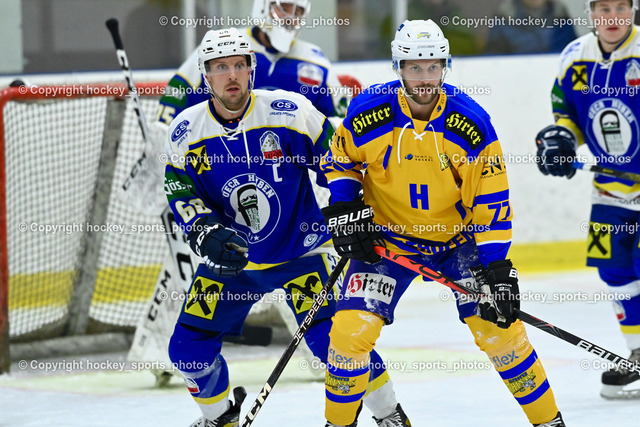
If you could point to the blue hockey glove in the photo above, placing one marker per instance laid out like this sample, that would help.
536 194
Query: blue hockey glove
500 300
221 248
556 151
353 230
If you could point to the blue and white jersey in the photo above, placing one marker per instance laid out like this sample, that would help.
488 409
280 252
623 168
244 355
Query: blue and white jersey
598 98
304 69
252 178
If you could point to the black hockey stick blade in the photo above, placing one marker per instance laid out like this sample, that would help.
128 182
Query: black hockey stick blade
297 338
525 317
629 176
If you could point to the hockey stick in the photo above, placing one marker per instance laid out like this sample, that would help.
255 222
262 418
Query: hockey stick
182 256
112 25
297 338
525 317
629 176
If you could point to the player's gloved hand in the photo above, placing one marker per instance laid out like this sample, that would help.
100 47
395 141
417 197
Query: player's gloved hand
221 248
556 151
353 230
500 303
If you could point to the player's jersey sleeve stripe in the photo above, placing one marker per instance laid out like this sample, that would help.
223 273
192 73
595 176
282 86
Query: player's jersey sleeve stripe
385 161
344 189
460 208
499 226
485 199
330 163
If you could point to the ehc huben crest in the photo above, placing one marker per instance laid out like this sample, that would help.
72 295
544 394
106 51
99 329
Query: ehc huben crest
613 127
255 204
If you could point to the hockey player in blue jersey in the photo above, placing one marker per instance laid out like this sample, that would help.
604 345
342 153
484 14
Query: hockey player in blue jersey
284 62
596 102
237 181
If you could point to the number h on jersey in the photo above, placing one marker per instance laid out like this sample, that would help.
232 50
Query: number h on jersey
419 196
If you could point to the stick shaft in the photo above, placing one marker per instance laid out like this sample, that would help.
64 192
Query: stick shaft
629 176
297 338
112 25
525 317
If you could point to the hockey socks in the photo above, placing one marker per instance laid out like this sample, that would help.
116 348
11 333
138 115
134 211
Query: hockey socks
353 336
345 389
518 365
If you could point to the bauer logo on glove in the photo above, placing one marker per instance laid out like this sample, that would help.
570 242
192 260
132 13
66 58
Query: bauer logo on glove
353 230
350 217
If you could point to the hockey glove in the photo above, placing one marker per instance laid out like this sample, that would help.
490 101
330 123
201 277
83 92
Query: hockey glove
556 151
353 230
221 249
500 300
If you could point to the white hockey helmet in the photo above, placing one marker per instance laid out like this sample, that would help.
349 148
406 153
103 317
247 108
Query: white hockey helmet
589 3
281 26
224 43
419 39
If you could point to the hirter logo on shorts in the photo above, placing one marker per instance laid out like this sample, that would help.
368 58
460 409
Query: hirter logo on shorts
371 286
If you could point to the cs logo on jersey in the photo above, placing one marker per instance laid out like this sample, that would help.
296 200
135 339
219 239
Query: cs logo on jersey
614 128
284 105
180 131
256 205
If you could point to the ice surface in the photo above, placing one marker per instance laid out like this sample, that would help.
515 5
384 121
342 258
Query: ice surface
422 347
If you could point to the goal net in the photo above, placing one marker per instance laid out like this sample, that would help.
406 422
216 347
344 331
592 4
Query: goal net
74 258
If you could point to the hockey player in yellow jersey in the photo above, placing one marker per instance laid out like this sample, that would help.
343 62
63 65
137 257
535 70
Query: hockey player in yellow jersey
429 165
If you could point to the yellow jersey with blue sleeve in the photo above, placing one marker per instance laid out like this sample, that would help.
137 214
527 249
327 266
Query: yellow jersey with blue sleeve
434 184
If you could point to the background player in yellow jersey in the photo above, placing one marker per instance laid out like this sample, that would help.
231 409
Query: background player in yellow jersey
435 179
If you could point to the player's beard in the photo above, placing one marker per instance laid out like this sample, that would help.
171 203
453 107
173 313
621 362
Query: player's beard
423 94
233 102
